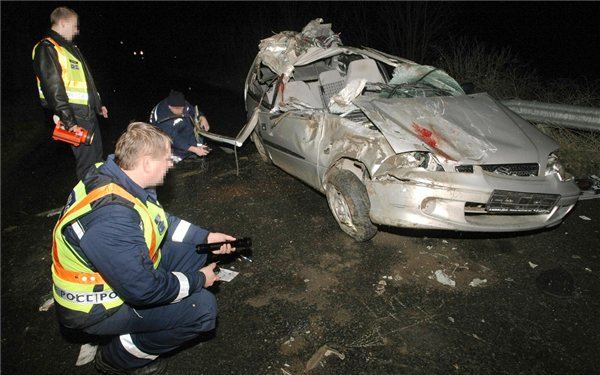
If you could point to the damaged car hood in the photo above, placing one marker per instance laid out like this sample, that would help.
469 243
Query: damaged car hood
465 128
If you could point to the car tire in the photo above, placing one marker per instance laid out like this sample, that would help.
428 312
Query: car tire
260 147
349 204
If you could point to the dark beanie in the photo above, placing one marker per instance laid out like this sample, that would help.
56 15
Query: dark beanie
176 99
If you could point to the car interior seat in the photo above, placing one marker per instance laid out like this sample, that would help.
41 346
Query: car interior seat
331 83
302 93
364 68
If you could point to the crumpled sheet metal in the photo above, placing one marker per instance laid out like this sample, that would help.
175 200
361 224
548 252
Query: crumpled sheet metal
283 50
450 126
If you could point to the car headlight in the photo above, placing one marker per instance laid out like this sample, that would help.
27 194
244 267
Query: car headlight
413 159
553 166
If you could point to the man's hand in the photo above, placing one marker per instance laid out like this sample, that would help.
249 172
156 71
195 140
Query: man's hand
209 274
221 237
199 150
104 111
204 123
76 128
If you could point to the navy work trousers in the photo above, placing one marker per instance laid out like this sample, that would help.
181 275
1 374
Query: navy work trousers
87 155
141 334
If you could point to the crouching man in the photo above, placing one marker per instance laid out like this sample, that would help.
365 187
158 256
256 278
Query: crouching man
122 266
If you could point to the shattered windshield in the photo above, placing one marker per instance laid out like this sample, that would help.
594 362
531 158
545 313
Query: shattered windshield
413 81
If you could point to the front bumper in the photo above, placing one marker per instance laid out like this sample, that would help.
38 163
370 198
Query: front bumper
459 201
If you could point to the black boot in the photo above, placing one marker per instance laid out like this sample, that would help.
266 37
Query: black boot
156 367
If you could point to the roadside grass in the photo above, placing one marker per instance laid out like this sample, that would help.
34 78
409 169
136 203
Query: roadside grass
503 75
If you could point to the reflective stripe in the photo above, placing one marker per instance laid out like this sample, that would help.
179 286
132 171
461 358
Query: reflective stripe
128 344
184 286
86 298
180 231
77 95
77 229
78 277
154 114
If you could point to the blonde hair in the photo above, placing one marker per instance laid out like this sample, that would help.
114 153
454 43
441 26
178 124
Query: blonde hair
140 139
61 13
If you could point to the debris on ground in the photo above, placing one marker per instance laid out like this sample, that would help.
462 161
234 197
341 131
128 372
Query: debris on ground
324 351
442 278
47 301
380 287
583 217
477 282
532 265
49 213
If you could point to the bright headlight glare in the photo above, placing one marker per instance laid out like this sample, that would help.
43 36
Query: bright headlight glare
553 166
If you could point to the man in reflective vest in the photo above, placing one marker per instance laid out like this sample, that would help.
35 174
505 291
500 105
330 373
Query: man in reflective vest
122 266
66 86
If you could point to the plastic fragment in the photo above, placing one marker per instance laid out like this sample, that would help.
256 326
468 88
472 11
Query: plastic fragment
324 351
532 265
442 278
477 282
48 303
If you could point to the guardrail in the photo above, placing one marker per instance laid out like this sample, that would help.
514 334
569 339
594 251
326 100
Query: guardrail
568 116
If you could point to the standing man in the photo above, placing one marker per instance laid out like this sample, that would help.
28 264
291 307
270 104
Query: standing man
122 266
175 116
66 86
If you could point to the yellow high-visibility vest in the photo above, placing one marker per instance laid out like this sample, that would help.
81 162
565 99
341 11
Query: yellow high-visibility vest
76 286
72 75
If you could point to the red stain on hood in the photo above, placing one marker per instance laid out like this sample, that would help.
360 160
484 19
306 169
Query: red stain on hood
429 138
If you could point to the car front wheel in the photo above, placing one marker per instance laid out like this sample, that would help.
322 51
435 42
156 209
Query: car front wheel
349 203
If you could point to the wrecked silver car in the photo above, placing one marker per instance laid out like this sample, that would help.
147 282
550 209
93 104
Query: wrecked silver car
392 142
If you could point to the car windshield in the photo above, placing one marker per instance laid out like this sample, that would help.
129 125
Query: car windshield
413 80
412 90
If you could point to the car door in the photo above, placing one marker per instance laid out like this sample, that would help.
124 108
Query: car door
292 139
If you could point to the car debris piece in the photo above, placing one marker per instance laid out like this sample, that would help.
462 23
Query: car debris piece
532 265
324 351
477 282
47 301
583 217
442 278
391 142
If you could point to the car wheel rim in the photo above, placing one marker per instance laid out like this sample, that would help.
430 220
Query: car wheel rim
340 208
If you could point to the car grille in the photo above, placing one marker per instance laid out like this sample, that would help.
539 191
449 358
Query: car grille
503 201
520 170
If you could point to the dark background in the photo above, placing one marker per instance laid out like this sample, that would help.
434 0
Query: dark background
185 42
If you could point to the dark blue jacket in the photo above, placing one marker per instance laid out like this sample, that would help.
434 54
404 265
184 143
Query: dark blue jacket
113 243
180 129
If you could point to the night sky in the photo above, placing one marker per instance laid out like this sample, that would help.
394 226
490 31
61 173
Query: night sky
188 42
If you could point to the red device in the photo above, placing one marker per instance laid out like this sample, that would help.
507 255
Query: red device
75 138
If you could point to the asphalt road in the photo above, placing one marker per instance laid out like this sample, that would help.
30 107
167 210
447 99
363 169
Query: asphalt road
313 300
